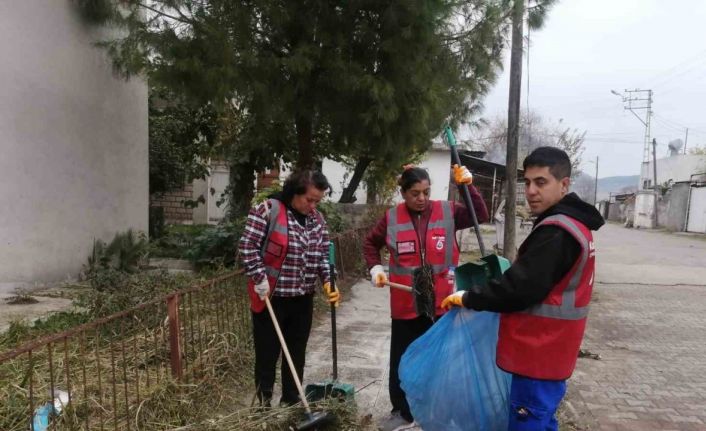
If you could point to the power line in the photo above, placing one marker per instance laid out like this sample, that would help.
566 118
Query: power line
660 76
669 126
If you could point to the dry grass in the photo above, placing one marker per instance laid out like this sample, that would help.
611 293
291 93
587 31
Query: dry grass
20 297
120 375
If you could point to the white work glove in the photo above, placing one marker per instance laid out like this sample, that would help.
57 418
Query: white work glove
377 276
262 288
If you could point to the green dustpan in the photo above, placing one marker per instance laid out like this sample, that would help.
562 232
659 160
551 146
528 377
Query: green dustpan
488 268
331 388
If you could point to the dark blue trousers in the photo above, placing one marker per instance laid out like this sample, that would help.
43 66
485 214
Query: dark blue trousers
533 403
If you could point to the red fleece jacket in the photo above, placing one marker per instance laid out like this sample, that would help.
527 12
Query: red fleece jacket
375 240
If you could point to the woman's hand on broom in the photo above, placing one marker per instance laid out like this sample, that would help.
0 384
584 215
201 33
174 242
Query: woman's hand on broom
333 297
378 278
462 175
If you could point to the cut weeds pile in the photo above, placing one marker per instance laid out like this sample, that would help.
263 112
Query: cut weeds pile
119 373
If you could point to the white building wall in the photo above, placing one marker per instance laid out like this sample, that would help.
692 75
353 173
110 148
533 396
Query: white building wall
73 143
675 168
338 176
437 162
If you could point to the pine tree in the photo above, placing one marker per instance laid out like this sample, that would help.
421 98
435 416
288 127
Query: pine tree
366 81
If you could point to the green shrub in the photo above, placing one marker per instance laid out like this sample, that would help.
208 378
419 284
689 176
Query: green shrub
216 246
176 240
263 194
334 218
114 290
125 253
20 331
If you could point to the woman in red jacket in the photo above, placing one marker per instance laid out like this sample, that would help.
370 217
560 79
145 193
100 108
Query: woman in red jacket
416 232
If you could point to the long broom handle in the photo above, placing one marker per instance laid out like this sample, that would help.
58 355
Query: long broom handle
334 345
399 286
293 370
463 189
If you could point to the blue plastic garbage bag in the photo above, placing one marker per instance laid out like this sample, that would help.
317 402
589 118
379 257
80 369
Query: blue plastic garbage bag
450 377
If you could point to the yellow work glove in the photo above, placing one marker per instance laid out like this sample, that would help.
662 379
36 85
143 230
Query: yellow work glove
378 276
462 175
453 300
333 297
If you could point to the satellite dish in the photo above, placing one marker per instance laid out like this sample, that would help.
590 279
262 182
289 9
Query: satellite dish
675 146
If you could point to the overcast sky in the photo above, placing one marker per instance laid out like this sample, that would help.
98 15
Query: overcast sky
588 47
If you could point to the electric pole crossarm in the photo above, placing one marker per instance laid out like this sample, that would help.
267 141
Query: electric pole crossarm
637 116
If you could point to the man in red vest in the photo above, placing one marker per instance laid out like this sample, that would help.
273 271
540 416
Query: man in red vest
544 295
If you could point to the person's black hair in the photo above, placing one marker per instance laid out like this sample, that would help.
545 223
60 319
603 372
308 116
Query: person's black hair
298 182
411 177
553 158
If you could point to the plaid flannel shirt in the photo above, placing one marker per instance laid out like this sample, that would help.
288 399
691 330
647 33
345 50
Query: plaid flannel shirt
307 251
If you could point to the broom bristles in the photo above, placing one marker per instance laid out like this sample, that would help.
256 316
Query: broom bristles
424 298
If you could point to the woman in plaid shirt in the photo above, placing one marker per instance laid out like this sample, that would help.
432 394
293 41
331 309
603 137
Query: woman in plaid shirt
284 249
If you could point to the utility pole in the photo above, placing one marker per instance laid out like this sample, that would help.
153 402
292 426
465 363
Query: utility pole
595 187
513 129
637 100
686 138
654 181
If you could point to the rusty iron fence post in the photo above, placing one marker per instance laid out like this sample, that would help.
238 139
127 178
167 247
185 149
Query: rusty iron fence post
174 342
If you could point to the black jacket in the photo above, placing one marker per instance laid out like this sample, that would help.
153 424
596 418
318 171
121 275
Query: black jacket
549 253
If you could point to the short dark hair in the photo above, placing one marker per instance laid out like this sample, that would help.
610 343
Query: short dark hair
412 176
299 181
555 159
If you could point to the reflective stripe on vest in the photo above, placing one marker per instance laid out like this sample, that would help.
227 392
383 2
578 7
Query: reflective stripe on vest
274 226
446 222
568 309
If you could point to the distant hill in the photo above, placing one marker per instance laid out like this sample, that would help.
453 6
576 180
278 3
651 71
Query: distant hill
609 185
583 185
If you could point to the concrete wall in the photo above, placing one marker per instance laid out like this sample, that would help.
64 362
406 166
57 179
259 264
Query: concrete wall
675 169
614 212
73 143
676 207
357 215
644 209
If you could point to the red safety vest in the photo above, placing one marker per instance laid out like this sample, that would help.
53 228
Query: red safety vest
543 341
405 255
273 252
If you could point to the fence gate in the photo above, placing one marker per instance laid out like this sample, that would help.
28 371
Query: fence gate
697 210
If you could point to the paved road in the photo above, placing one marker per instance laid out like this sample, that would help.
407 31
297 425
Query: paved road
363 322
648 324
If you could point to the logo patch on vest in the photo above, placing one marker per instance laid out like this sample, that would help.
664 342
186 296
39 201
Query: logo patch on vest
439 240
273 248
406 247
